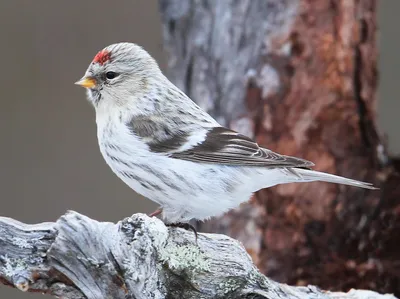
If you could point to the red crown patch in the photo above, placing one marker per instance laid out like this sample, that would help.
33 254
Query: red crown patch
102 57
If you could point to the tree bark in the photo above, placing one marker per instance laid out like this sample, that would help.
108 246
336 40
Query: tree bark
300 77
139 257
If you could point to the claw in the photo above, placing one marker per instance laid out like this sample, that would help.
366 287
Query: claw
186 226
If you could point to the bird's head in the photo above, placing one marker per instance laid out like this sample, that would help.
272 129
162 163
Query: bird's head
118 74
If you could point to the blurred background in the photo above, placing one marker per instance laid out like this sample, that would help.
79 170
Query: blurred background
50 159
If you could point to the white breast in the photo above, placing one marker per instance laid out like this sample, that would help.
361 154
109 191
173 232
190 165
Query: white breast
184 189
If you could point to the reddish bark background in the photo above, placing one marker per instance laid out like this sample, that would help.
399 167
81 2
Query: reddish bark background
308 89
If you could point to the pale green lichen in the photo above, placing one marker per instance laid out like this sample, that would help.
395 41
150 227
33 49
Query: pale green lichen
21 243
231 284
12 266
185 257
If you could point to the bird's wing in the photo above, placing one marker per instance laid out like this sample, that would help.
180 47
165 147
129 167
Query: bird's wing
224 146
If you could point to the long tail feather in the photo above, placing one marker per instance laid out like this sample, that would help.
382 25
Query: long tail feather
311 175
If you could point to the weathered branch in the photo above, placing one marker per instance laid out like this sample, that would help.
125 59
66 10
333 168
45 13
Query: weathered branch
139 257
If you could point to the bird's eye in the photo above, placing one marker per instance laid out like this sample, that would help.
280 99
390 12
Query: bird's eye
111 75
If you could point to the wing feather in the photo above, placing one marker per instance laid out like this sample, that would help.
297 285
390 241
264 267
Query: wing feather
224 146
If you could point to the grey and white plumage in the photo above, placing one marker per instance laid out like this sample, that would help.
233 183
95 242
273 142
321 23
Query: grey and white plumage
165 147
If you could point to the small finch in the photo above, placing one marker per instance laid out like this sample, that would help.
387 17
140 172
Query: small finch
166 148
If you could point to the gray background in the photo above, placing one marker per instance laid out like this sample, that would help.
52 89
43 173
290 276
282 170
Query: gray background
49 159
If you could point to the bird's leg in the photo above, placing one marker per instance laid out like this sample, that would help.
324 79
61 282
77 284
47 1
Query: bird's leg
156 212
184 225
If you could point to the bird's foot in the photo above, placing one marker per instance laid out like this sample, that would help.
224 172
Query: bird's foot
156 213
184 225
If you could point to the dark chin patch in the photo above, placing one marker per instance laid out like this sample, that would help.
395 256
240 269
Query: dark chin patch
94 95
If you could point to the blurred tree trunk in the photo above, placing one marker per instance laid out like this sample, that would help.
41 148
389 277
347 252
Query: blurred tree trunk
300 77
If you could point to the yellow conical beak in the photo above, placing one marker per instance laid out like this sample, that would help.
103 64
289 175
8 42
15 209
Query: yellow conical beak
87 82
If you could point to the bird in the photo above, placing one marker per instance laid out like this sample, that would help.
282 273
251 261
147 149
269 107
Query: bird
168 149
